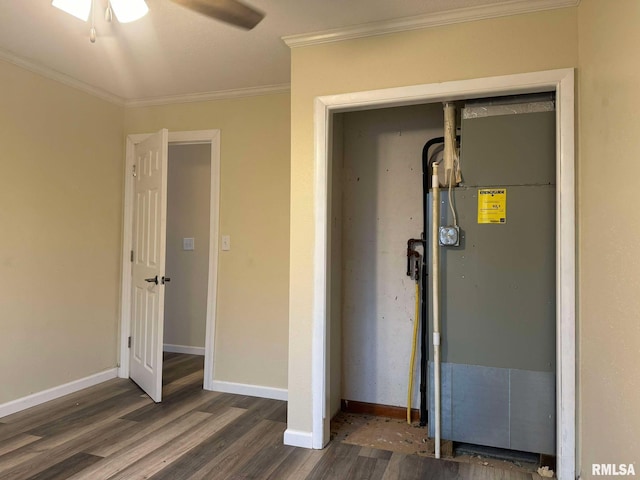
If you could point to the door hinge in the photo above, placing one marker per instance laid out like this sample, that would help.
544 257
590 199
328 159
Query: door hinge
131 256
135 174
129 342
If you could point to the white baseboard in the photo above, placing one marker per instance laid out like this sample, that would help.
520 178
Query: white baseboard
251 390
183 349
56 392
298 438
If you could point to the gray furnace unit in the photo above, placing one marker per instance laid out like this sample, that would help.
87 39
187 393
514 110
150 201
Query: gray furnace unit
498 287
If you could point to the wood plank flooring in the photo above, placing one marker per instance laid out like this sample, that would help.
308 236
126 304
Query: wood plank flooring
114 431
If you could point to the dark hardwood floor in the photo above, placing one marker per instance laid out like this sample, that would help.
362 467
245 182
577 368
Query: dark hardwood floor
114 431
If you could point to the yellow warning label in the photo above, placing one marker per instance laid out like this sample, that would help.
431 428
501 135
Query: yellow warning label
492 205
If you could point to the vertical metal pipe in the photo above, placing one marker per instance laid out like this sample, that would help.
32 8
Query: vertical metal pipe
435 301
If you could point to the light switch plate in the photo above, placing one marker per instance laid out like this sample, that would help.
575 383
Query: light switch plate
188 244
226 243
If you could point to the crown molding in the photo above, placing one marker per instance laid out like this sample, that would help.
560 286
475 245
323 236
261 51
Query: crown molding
59 77
513 7
69 81
461 15
208 96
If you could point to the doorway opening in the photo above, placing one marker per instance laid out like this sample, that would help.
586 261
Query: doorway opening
187 247
187 264
560 82
204 279
498 284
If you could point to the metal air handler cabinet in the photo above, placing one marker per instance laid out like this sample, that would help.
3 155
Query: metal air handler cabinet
498 306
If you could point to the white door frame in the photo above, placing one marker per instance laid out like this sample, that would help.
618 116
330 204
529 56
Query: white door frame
562 82
175 138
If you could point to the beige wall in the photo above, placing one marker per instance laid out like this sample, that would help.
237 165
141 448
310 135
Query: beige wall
61 162
609 304
252 320
524 43
188 200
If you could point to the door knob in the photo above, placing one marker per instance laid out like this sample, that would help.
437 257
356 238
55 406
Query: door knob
165 280
152 280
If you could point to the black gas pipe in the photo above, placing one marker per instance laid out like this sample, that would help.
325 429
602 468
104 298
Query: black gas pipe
424 324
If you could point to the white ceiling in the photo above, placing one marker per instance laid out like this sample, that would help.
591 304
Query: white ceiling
173 51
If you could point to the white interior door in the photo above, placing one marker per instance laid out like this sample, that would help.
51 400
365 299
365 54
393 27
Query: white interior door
148 281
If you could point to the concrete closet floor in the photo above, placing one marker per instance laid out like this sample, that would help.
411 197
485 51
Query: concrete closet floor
395 435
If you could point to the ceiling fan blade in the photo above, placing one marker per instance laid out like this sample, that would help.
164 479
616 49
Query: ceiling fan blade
230 11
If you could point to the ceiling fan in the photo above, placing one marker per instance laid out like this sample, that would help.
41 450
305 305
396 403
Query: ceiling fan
234 12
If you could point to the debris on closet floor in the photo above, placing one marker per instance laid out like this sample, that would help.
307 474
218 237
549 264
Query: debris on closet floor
396 435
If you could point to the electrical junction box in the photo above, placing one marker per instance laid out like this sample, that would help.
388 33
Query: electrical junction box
449 236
